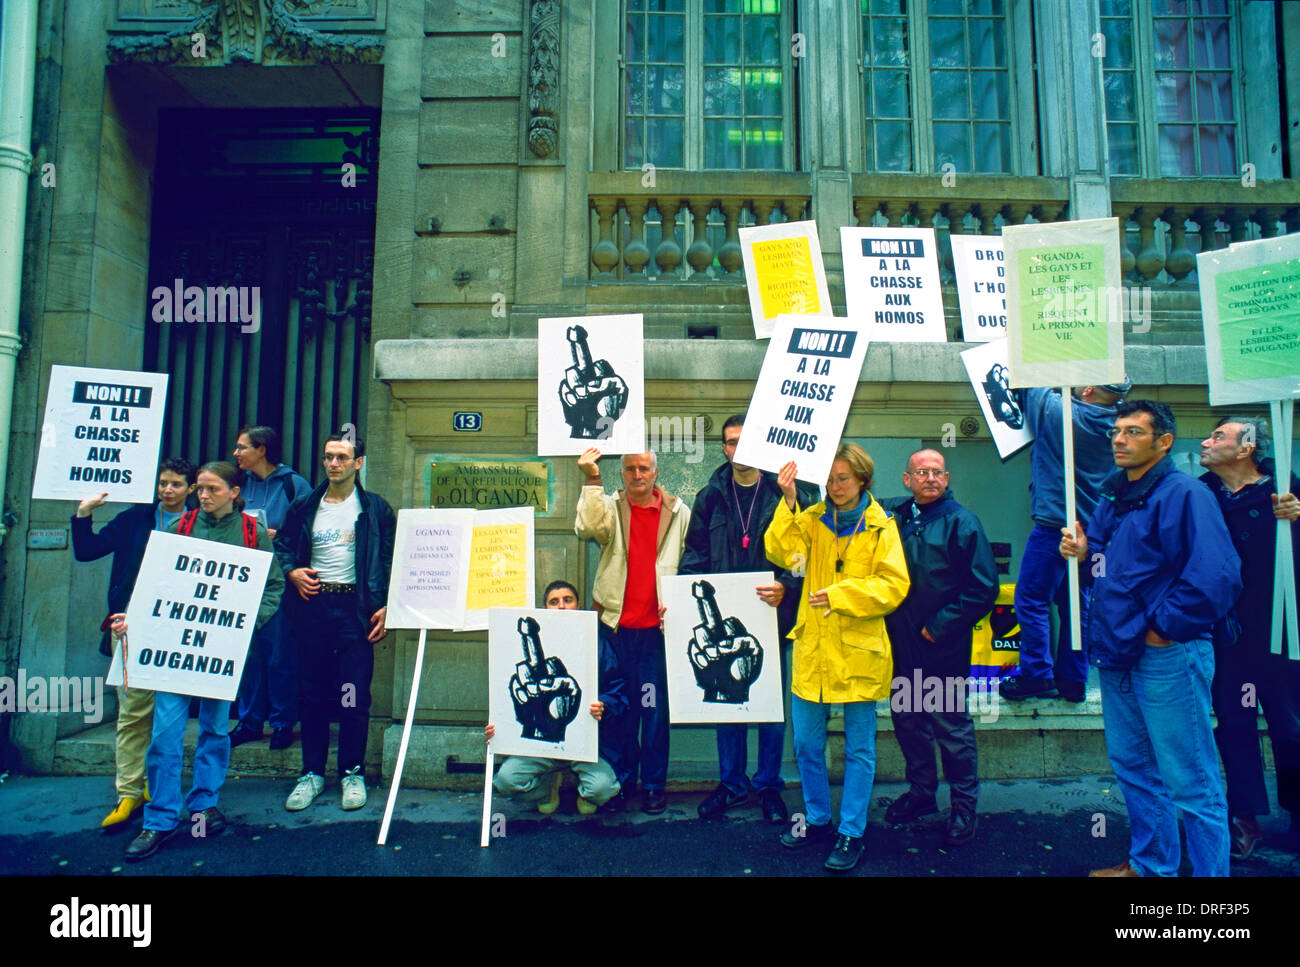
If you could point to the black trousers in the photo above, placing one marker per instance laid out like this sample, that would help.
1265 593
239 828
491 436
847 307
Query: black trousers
336 663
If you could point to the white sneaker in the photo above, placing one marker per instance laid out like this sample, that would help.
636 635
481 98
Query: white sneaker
354 788
308 788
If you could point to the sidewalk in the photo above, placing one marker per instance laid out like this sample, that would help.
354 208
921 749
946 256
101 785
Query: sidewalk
1029 828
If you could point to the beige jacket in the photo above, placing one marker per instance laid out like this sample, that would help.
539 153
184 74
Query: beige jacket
608 520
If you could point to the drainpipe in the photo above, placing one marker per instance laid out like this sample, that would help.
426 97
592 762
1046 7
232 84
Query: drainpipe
17 81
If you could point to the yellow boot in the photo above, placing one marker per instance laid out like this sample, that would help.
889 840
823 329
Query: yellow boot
127 807
552 802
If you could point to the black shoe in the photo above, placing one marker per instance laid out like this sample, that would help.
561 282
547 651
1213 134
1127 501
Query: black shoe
616 804
961 826
806 835
148 842
1071 691
1019 689
244 734
281 738
720 800
844 854
213 820
773 806
654 801
908 808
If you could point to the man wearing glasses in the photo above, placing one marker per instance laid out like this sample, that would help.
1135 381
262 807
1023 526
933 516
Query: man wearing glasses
336 548
1163 571
954 585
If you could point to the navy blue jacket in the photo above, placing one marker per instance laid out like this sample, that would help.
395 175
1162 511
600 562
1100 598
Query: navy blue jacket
715 534
954 585
376 532
1253 529
613 695
1093 461
1167 564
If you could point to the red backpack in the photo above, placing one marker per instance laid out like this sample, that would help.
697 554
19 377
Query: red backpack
250 527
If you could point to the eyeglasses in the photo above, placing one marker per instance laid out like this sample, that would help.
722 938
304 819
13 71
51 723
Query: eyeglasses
240 448
333 458
1131 432
926 473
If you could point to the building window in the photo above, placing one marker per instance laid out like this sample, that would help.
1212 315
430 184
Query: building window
1169 66
706 84
938 86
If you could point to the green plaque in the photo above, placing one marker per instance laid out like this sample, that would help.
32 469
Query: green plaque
1259 320
489 484
1063 303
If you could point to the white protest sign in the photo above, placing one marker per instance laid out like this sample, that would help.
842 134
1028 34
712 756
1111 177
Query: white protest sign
986 366
1065 323
1250 304
430 573
191 617
500 564
980 266
784 273
891 284
802 396
590 385
102 431
543 675
723 649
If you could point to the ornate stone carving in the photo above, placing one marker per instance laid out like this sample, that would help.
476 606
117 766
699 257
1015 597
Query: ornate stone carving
543 77
236 30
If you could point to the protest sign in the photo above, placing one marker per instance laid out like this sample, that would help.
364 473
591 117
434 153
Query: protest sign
191 617
980 266
1250 304
802 396
543 675
102 431
590 385
784 273
723 650
500 564
1065 324
891 284
986 366
429 581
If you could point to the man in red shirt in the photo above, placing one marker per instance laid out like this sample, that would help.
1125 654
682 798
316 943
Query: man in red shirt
641 531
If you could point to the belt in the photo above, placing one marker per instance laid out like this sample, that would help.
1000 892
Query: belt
329 587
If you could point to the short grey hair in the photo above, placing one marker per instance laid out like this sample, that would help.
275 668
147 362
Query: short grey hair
654 460
1259 427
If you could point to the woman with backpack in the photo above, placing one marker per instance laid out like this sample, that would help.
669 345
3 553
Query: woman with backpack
220 519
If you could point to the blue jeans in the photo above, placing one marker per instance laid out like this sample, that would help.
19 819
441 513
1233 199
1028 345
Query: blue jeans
269 689
641 659
1040 584
733 751
1158 738
163 761
809 722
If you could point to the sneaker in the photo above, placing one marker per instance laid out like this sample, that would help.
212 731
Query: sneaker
552 801
1019 689
1245 833
908 808
281 738
214 821
148 842
126 807
773 807
807 835
961 826
1071 691
720 800
244 734
308 788
354 788
844 854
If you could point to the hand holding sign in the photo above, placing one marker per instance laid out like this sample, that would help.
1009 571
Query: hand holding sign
546 697
726 658
592 394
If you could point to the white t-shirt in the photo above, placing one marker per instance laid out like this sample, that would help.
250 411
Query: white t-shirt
334 540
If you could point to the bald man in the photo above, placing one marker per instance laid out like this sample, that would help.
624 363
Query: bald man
954 585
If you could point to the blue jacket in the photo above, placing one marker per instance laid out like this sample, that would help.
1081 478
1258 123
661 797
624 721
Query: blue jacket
1167 564
613 695
274 495
1092 454
1253 530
